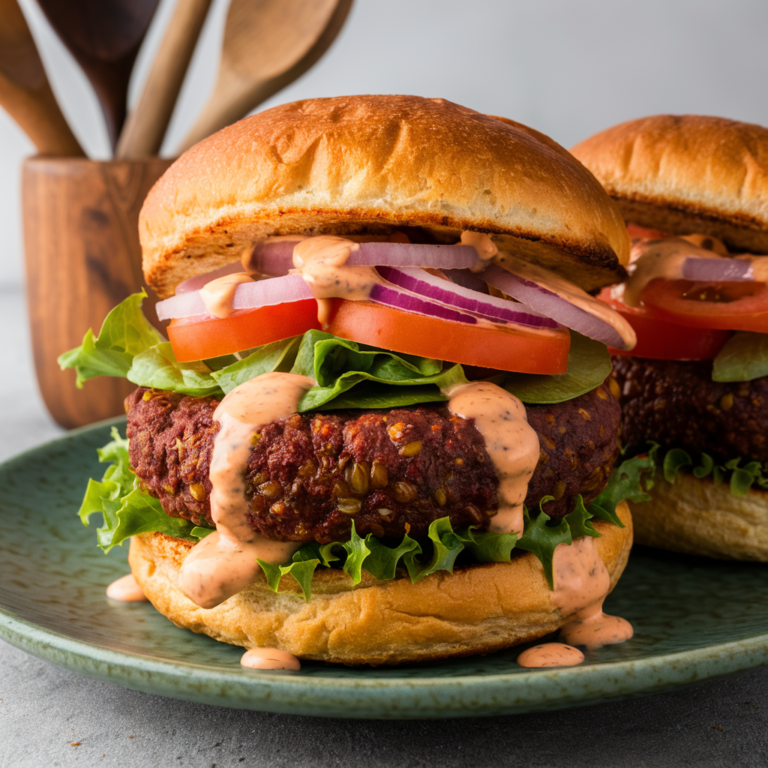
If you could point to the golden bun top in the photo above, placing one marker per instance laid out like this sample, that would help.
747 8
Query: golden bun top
370 164
687 173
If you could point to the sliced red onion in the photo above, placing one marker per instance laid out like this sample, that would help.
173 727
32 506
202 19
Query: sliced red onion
276 258
435 288
197 282
261 293
541 299
393 296
717 270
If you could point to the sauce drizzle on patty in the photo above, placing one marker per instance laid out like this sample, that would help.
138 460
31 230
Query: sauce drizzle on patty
224 562
511 443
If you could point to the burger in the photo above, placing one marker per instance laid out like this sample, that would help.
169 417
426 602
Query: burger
694 191
380 429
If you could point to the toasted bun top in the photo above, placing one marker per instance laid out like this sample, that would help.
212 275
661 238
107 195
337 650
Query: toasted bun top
678 172
368 164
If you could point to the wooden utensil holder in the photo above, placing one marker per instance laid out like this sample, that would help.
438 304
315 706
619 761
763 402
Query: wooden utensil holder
82 258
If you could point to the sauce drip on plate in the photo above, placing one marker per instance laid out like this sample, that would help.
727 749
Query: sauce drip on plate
127 590
270 658
550 655
582 583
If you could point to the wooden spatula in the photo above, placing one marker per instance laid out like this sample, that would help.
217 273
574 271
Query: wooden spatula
267 45
104 36
148 121
24 89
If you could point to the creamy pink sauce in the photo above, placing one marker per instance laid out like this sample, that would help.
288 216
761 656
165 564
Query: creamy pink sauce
511 442
219 295
270 658
485 247
127 590
582 583
550 655
594 629
655 259
322 262
224 562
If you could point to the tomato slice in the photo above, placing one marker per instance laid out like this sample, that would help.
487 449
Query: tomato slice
732 306
662 340
201 338
480 345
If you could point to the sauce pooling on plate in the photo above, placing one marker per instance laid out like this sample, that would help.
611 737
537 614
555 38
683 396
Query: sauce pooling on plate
550 655
270 658
224 562
127 590
582 583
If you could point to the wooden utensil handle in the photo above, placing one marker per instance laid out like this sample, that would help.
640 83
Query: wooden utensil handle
24 89
147 123
82 258
38 114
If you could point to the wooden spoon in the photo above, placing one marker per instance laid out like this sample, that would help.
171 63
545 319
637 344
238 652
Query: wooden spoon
104 36
267 45
24 89
148 121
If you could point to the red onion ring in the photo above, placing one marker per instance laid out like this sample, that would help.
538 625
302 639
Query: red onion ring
276 258
431 287
423 301
541 299
717 270
199 281
262 293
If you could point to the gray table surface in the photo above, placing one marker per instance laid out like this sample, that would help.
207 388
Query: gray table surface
52 717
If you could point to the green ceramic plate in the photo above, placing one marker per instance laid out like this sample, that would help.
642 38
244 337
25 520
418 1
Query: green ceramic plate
693 620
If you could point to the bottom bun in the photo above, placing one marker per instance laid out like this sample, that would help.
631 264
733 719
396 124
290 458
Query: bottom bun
477 609
699 517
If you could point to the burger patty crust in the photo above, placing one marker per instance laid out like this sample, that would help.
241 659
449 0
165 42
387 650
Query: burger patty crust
391 471
678 405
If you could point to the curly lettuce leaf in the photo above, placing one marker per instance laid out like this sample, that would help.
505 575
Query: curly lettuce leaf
126 509
124 334
589 365
541 536
741 477
632 480
444 545
743 358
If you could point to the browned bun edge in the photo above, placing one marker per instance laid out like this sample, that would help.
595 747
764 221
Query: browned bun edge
368 165
687 173
699 517
477 609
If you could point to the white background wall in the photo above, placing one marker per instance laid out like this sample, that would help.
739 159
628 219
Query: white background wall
566 67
